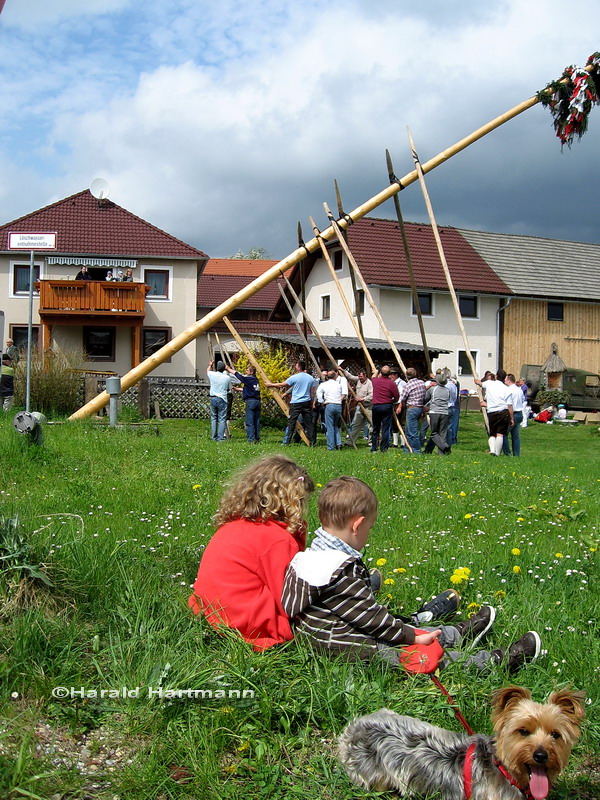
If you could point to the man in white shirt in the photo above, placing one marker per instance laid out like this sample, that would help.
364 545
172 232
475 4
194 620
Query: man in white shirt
332 393
220 384
518 403
498 402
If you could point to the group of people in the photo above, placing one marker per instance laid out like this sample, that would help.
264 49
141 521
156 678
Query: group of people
505 402
85 275
257 576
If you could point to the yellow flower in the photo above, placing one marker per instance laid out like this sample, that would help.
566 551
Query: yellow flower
197 486
456 579
500 594
381 562
519 519
473 607
515 551
468 516
244 746
516 569
463 494
389 581
558 555
226 710
399 570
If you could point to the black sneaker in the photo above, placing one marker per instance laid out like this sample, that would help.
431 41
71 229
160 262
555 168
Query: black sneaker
524 651
444 605
376 580
477 625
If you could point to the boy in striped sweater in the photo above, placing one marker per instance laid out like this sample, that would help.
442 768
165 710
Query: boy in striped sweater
328 596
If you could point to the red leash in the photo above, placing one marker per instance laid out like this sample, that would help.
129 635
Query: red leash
453 703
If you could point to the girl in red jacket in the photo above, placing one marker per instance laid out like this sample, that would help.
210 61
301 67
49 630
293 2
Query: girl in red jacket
261 528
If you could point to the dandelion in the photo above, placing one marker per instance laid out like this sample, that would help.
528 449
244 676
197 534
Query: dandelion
197 486
515 551
319 485
500 594
381 562
516 569
558 555
468 516
520 519
399 570
389 581
463 494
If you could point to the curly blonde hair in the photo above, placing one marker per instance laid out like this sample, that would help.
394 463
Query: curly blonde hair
273 488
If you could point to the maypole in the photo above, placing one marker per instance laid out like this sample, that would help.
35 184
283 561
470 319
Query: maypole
575 120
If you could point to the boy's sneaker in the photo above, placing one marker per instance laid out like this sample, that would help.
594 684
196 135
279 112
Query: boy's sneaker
376 579
477 625
524 651
444 605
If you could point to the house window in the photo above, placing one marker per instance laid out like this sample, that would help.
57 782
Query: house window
468 305
153 339
556 312
360 295
425 304
18 334
99 344
326 306
21 278
338 260
159 283
464 365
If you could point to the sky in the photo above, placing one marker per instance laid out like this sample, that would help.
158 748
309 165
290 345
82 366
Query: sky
225 123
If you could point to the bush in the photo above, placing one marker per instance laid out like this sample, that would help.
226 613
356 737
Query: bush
276 362
54 385
552 396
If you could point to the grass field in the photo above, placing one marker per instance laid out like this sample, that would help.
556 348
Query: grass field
118 519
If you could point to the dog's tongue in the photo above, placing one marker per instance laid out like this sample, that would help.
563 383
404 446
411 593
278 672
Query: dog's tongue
538 783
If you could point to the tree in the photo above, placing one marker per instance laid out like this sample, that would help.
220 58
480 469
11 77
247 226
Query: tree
254 254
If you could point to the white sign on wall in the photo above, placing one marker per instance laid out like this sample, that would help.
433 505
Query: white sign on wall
32 241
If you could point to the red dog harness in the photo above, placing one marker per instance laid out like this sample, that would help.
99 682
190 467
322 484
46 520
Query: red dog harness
468 774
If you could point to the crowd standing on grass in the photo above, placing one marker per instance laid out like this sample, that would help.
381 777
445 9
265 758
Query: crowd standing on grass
421 416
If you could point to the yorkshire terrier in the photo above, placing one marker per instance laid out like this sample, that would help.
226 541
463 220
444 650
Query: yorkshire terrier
531 745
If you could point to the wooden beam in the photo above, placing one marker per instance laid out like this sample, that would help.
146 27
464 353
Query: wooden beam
264 377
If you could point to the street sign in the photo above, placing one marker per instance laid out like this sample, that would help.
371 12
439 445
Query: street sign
32 241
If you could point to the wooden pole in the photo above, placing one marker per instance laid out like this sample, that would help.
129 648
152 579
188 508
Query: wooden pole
444 263
341 215
264 377
357 330
366 290
223 352
301 333
217 314
411 273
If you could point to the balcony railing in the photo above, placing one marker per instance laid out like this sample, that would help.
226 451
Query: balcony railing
63 297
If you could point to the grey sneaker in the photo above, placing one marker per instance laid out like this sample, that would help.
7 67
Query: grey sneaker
477 625
444 605
524 651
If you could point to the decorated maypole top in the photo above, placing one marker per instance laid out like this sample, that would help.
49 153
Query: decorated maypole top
571 98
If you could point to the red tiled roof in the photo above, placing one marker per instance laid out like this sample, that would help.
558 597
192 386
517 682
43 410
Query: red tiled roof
215 289
248 326
377 246
88 226
247 267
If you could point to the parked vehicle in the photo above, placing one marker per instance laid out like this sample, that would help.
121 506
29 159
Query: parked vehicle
583 386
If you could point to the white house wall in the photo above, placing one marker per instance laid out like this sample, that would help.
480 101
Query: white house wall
395 307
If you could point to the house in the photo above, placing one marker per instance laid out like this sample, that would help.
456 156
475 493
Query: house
555 288
116 324
376 244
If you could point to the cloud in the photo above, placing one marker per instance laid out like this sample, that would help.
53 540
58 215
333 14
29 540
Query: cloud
233 122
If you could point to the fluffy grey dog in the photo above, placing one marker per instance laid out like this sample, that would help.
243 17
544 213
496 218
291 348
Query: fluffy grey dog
532 743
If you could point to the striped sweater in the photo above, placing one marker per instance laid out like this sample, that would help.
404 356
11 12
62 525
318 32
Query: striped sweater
328 596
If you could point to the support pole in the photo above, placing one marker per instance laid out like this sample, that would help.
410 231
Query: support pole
444 263
366 290
341 215
263 376
204 324
411 273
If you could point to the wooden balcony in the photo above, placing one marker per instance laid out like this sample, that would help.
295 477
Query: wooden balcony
67 302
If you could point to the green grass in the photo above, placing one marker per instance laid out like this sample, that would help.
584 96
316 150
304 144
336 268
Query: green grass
115 518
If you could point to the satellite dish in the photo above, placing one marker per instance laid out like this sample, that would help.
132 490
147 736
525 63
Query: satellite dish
100 188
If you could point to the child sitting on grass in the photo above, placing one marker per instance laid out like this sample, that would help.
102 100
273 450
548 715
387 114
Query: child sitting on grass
327 593
262 527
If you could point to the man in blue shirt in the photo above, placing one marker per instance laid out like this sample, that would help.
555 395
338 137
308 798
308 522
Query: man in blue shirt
251 396
302 402
220 385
